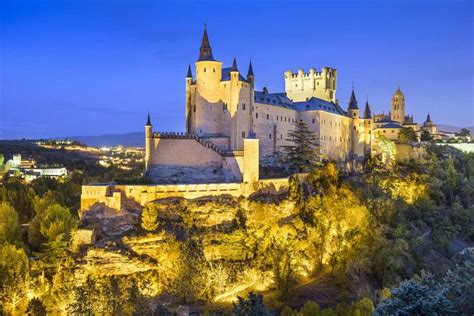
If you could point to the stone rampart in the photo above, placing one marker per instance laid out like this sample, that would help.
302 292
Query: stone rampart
112 195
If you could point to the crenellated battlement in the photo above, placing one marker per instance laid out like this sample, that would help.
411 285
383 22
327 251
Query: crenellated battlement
201 140
302 85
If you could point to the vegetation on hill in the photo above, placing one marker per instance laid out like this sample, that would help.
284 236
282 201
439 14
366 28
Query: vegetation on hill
394 239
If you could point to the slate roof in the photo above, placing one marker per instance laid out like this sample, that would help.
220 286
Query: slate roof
313 104
391 125
277 99
226 75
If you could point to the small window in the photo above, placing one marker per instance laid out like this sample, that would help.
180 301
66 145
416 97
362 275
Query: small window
243 134
277 117
270 136
204 69
314 121
256 115
268 116
243 106
194 108
214 69
281 136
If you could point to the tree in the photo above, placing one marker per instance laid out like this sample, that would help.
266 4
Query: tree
253 306
284 270
36 308
310 309
364 307
426 136
150 217
56 222
415 298
302 155
13 277
463 132
10 231
406 135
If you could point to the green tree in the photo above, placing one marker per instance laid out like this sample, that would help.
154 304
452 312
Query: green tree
83 299
364 307
406 135
414 298
463 132
13 277
303 153
310 309
10 231
426 136
253 306
56 222
150 217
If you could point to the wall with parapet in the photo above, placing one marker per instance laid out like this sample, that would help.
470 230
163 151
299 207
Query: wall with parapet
111 195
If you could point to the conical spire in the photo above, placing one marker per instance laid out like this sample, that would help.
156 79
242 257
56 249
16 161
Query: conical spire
250 72
190 74
148 121
353 101
205 52
367 112
428 118
234 65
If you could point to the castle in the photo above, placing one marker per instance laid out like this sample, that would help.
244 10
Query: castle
232 129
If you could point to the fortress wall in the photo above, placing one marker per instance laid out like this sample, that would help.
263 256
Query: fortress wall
183 160
264 127
143 194
221 142
182 152
333 132
233 168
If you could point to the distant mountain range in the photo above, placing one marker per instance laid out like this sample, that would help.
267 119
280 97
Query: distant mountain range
138 139
129 140
454 129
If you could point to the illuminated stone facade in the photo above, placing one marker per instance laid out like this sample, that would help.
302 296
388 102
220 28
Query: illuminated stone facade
225 114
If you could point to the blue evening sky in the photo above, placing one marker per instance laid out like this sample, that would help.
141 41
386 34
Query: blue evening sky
93 67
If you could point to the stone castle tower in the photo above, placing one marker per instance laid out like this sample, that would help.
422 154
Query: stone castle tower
302 86
397 112
219 101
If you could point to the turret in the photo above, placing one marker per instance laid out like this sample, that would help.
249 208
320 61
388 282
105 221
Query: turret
234 71
148 141
353 108
208 71
188 101
397 112
367 112
250 75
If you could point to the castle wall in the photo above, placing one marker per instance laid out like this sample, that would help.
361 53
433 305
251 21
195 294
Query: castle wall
333 131
271 126
183 160
142 194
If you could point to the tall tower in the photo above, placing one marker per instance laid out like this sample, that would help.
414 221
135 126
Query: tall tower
207 107
353 113
148 141
397 112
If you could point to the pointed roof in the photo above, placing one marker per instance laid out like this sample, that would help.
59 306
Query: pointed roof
148 121
205 52
398 92
234 65
367 112
428 118
250 72
190 74
353 101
